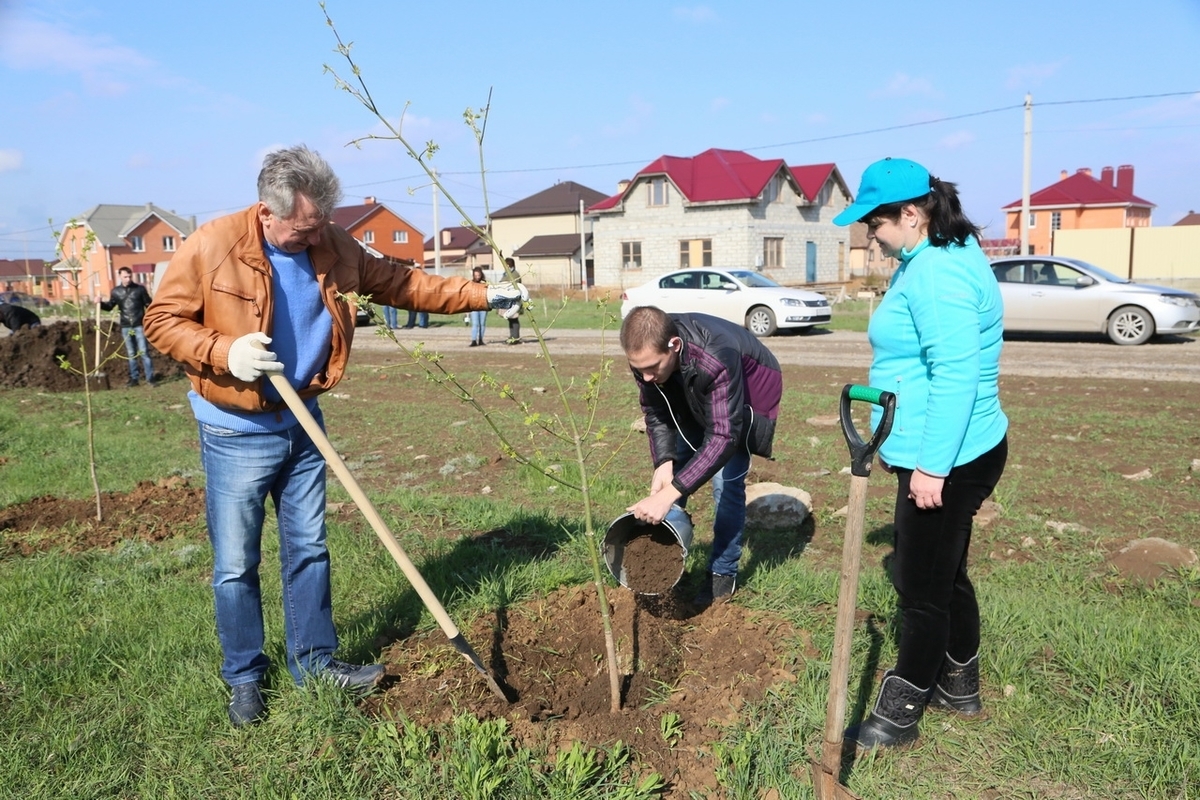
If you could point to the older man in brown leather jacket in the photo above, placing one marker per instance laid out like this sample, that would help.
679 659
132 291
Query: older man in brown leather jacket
275 276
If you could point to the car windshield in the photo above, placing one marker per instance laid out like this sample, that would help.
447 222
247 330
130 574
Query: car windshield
753 279
1103 273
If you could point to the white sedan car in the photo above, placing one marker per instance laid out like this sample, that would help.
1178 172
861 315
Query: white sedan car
742 296
1057 294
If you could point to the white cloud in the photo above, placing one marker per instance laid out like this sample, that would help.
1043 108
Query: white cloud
102 65
718 103
11 160
956 139
904 85
698 15
1028 76
816 118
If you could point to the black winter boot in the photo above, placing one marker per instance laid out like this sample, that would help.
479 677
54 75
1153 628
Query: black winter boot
893 721
957 687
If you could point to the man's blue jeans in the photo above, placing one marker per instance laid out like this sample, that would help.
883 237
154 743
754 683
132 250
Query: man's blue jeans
729 498
135 347
391 317
241 470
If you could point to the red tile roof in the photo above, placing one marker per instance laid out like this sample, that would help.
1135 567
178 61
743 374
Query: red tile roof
1192 218
349 216
1081 189
461 238
716 176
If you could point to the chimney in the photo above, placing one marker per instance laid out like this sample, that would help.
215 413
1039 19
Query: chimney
1125 178
368 201
445 237
1062 175
1106 176
1084 171
622 186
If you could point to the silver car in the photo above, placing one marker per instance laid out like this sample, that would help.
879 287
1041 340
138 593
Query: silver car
742 296
1057 294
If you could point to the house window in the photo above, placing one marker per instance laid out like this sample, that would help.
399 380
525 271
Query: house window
399 237
631 255
695 253
773 252
1055 220
658 191
169 244
135 244
1033 219
368 237
773 190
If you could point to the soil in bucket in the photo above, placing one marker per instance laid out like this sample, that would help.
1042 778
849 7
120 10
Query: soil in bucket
648 559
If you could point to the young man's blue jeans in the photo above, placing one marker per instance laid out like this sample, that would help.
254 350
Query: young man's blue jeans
729 498
135 347
391 318
478 325
241 470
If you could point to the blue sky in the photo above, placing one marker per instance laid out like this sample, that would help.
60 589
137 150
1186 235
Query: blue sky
131 101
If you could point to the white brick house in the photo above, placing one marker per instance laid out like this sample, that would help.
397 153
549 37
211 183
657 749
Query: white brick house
723 208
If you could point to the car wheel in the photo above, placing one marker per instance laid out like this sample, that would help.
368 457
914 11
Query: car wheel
760 321
1130 325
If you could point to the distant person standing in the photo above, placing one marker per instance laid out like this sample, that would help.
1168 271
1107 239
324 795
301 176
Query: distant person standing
16 317
133 300
514 325
478 318
391 317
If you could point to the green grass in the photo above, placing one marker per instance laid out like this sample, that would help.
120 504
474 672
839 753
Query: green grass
575 313
108 662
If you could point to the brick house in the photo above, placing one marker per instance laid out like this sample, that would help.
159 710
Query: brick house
28 275
1079 201
138 237
381 230
542 233
723 208
460 251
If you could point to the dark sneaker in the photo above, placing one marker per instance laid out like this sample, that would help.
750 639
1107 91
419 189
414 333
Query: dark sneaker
131 382
715 589
246 706
353 677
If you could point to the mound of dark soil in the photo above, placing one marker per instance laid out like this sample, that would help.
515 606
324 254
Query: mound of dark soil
31 358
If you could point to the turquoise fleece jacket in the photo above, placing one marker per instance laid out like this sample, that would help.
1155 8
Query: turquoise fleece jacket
936 338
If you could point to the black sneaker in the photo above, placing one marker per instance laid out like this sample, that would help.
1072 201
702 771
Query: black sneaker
246 706
715 589
131 382
354 677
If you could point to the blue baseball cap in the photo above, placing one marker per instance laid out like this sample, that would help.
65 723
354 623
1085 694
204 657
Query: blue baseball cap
892 180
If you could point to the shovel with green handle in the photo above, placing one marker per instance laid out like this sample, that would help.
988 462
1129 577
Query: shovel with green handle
825 772
381 530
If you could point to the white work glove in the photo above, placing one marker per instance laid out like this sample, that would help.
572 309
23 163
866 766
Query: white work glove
249 357
507 299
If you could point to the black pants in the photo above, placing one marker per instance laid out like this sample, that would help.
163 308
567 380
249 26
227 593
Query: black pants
938 610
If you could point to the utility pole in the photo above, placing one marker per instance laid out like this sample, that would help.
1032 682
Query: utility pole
437 231
582 253
1027 174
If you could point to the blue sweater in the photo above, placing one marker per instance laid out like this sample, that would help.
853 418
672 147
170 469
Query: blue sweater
936 338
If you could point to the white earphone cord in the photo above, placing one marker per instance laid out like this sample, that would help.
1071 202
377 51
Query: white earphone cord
679 428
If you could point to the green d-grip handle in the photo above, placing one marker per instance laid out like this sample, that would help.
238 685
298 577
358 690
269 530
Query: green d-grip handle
862 453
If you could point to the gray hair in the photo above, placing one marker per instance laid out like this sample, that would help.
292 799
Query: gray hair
297 169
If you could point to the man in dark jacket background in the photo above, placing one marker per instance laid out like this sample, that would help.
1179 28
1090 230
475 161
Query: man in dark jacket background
16 317
710 392
133 300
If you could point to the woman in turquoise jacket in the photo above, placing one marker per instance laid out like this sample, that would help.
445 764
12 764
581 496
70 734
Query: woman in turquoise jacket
936 339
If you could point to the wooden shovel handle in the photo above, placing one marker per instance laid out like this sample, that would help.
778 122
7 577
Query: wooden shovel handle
280 382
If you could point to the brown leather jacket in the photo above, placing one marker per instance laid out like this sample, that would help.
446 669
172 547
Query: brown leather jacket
218 288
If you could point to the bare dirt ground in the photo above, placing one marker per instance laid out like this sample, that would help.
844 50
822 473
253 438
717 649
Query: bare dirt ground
703 667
